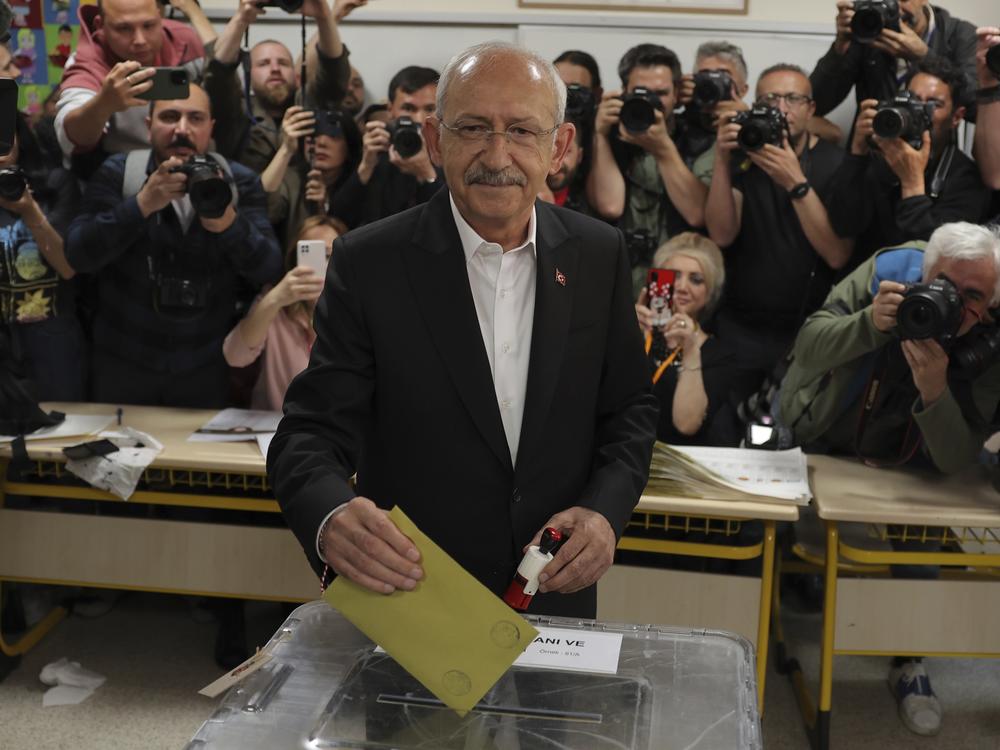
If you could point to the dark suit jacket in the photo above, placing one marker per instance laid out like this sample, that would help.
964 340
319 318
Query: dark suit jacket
399 387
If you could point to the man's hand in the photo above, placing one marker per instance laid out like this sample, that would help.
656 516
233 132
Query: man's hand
25 207
315 187
314 9
362 544
161 187
248 12
301 284
419 165
585 556
903 44
685 95
375 142
297 123
780 164
655 141
929 364
863 127
907 163
986 37
845 14
885 304
608 113
220 225
727 139
343 8
121 87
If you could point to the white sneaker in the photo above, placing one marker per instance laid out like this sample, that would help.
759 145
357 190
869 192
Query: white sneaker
919 708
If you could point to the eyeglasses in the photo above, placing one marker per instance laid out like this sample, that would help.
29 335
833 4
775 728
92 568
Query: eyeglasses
792 100
515 134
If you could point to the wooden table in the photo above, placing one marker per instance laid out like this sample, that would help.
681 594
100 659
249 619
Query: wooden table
957 615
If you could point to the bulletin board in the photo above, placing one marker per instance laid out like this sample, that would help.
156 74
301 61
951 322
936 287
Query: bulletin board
43 35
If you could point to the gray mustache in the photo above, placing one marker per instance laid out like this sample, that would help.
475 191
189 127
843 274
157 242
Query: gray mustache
480 175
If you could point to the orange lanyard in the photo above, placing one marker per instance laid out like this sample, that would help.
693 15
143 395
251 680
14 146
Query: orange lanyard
665 363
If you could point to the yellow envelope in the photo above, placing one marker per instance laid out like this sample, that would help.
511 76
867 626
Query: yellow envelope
451 633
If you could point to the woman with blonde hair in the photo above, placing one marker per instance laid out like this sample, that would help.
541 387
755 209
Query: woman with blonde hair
695 375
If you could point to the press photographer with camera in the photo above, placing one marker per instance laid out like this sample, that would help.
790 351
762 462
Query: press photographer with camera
904 175
38 199
901 365
567 186
396 171
987 147
171 234
766 208
640 177
301 187
717 87
100 111
252 137
879 44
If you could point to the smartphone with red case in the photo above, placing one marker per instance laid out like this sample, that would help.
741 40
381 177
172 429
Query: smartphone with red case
659 294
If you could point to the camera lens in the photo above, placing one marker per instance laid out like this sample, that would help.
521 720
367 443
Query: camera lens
637 115
866 25
178 77
889 123
406 137
930 311
752 136
706 93
12 184
993 59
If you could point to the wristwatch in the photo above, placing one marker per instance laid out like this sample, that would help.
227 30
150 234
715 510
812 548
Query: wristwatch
799 191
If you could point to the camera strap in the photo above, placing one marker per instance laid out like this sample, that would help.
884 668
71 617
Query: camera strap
911 439
941 171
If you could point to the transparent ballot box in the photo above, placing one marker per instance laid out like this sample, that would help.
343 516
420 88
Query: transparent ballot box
327 686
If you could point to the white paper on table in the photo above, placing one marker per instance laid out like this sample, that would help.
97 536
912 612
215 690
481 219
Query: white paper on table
236 426
781 474
65 695
264 442
119 472
74 425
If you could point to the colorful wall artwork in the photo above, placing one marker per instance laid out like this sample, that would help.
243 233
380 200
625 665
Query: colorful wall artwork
42 38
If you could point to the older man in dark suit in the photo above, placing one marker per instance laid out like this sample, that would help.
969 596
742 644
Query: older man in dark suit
477 363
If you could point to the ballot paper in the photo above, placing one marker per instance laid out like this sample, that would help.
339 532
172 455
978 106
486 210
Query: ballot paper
730 473
451 633
237 426
75 425
264 442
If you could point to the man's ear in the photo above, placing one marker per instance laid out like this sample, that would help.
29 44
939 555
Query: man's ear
564 136
957 116
432 138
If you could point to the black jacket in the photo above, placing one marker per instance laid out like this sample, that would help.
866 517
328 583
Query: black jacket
399 388
388 192
873 73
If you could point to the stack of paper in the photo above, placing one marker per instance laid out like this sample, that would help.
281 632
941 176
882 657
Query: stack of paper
730 474
239 425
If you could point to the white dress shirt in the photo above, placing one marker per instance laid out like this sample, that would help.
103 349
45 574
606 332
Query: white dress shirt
503 288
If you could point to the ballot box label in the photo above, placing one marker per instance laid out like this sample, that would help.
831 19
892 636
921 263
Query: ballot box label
579 650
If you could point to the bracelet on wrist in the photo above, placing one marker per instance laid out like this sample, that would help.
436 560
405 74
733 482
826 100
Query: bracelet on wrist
694 368
988 95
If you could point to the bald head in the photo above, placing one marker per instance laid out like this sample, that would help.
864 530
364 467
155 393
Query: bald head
486 58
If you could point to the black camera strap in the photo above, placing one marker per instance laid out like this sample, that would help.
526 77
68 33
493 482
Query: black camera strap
941 171
911 439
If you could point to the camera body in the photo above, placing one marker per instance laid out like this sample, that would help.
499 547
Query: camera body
930 311
639 108
580 104
405 136
904 117
13 183
712 87
977 350
328 122
206 184
641 246
289 6
993 59
760 125
185 294
871 16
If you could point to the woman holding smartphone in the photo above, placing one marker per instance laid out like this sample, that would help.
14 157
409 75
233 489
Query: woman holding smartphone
279 324
695 375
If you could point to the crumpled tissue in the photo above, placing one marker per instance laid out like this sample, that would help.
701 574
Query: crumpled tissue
70 683
118 472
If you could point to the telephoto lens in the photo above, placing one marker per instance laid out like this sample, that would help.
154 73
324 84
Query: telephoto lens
904 117
207 186
930 311
405 136
639 108
871 16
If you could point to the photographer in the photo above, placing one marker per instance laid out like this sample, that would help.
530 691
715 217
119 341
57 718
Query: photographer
254 140
567 186
875 62
395 172
717 87
766 207
894 189
297 188
987 148
121 41
170 242
37 297
892 373
640 177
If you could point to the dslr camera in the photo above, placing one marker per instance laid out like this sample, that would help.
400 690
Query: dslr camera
580 104
289 6
904 117
760 125
711 87
174 292
639 108
871 16
993 59
328 122
977 350
405 136
206 184
641 247
13 183
930 311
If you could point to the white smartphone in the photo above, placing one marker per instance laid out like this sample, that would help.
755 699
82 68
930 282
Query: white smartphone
312 254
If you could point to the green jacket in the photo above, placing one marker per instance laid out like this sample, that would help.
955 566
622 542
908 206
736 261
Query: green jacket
820 394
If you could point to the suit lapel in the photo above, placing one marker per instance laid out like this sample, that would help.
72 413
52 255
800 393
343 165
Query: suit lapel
440 285
558 259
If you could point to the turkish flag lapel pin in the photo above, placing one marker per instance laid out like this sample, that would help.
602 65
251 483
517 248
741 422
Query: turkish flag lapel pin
560 278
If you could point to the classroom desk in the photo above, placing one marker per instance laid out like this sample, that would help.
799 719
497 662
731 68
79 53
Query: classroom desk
956 615
253 562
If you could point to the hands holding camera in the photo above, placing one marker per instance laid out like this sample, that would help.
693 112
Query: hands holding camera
654 140
377 141
780 164
905 43
162 186
297 123
727 138
988 56
906 162
928 361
